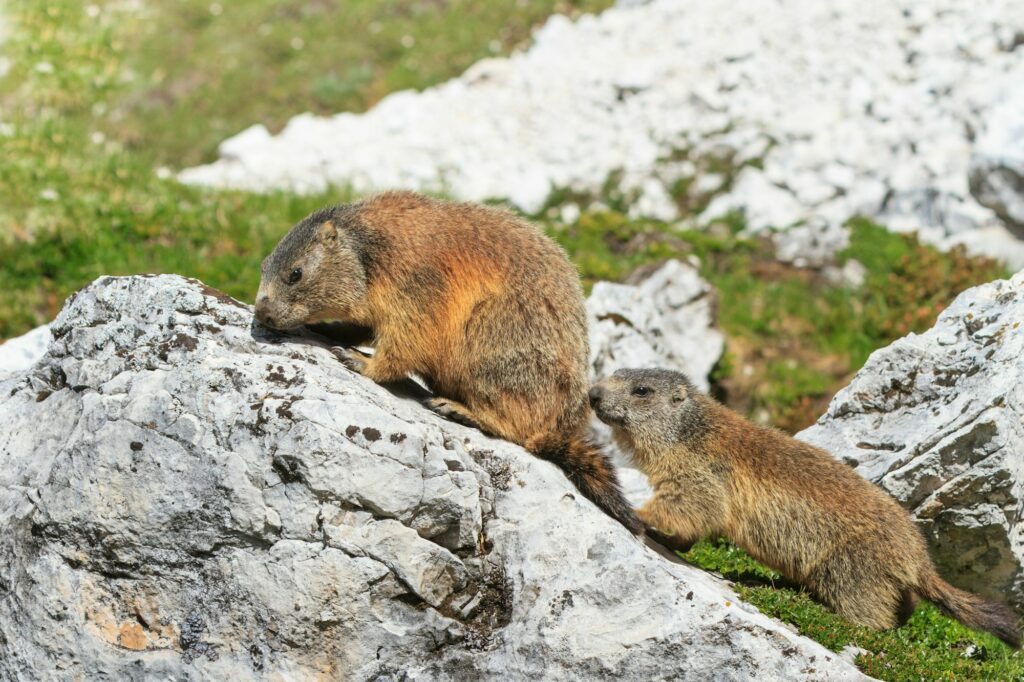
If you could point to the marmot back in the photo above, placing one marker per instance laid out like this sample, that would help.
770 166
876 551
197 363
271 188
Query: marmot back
479 303
790 505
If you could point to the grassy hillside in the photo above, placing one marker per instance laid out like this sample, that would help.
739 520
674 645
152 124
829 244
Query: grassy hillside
101 99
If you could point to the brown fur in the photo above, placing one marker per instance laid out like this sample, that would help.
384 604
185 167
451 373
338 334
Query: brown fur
480 304
790 505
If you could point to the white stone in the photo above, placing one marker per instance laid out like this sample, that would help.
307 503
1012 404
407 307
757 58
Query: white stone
266 545
848 96
997 164
249 140
851 274
665 320
937 420
813 245
21 352
763 204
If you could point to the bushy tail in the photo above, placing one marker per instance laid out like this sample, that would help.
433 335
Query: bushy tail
972 610
593 474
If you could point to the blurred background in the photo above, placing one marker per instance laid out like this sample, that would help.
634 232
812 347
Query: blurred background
158 136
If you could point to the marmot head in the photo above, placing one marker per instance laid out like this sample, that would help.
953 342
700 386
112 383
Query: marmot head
316 272
649 410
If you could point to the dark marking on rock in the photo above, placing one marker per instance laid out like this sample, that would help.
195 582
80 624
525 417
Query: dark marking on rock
256 656
284 409
371 434
179 340
561 603
397 438
616 319
219 295
42 395
287 467
352 430
497 469
192 646
136 446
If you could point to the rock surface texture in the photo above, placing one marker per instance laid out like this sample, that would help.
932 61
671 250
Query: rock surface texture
664 319
829 109
937 420
182 497
21 352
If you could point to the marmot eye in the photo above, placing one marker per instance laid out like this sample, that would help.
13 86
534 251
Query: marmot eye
295 276
641 391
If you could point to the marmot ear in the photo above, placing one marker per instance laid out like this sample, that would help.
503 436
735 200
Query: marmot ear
327 232
680 394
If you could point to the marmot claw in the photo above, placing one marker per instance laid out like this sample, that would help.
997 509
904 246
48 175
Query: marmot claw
353 359
450 411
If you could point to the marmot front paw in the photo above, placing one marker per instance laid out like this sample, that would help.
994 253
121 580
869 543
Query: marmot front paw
353 359
451 410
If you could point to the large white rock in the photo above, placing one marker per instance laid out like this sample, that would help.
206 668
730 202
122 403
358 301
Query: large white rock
852 107
21 352
937 420
182 497
666 319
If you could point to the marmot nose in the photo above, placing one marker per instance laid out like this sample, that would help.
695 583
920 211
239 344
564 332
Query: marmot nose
595 396
261 313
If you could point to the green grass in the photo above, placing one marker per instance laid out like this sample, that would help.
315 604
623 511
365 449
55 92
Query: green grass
97 100
202 70
929 647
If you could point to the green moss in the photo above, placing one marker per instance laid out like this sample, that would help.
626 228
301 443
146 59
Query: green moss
929 647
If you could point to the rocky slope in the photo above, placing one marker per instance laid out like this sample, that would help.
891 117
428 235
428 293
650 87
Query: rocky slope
937 420
183 497
827 110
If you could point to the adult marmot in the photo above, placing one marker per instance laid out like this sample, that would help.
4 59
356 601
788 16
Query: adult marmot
481 305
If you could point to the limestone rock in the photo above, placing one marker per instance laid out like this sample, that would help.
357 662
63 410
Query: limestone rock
813 245
667 319
184 496
937 420
21 352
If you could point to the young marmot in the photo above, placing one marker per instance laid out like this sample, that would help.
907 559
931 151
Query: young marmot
481 305
790 505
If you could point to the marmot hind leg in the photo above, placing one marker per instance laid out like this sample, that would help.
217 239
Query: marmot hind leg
859 592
